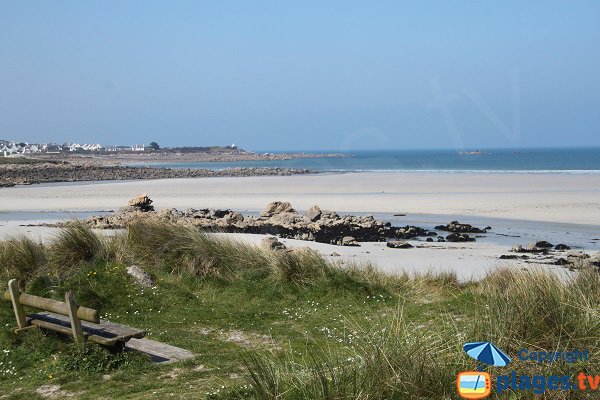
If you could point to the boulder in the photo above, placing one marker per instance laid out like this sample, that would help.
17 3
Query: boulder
396 244
272 243
529 249
457 227
561 247
542 244
561 261
429 239
140 276
313 213
141 203
459 237
277 207
349 241
513 257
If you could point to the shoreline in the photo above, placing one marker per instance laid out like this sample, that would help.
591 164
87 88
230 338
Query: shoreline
531 197
40 173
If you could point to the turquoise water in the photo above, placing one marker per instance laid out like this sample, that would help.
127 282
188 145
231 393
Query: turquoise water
573 161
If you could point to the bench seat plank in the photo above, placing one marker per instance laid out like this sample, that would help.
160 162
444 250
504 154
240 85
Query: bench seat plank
107 333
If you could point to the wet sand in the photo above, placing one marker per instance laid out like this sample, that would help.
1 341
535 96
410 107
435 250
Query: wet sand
527 196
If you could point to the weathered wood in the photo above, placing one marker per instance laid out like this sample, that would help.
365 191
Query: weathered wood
75 322
102 340
27 328
58 307
158 351
105 329
14 295
65 330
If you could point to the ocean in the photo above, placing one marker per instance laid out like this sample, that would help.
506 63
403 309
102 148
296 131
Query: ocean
569 161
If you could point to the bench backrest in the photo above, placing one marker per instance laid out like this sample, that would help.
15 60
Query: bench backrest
58 307
68 308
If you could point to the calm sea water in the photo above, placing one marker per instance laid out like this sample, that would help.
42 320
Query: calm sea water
574 161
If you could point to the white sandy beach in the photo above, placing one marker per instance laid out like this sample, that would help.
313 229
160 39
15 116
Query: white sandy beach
536 197
528 196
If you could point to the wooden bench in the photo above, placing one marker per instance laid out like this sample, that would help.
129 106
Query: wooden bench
81 323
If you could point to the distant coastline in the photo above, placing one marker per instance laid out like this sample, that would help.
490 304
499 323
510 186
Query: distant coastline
102 166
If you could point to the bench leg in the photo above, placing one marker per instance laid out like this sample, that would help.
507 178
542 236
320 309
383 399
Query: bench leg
75 321
15 294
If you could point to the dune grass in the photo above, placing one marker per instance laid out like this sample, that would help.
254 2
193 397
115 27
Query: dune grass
22 258
280 324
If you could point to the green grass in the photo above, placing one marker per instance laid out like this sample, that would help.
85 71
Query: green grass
279 325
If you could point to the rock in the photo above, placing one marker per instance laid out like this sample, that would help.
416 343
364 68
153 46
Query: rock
529 249
140 276
277 207
459 237
513 257
278 219
142 203
313 213
561 261
349 241
271 243
457 227
411 232
487 228
561 246
429 239
395 244
542 244
578 255
334 254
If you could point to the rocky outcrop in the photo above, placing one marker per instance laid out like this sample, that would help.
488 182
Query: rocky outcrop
542 244
27 174
279 219
459 237
457 227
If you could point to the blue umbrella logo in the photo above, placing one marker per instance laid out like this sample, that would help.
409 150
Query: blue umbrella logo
486 353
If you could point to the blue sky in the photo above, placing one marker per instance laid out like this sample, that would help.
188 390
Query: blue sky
302 75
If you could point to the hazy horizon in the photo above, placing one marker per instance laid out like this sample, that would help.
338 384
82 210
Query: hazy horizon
342 76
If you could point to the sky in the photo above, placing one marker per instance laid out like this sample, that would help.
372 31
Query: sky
305 75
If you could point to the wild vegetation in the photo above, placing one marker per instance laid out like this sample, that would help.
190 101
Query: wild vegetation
280 324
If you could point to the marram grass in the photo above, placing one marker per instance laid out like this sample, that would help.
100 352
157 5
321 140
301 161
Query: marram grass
281 325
